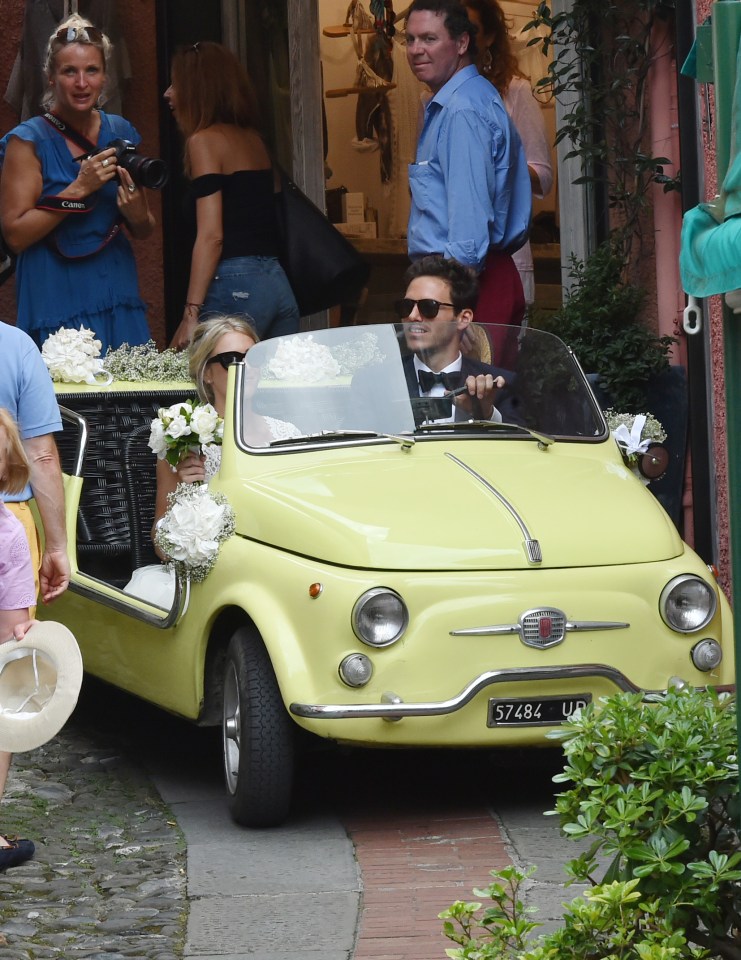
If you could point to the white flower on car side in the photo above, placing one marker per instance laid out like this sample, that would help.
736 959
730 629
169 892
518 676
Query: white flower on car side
635 434
192 530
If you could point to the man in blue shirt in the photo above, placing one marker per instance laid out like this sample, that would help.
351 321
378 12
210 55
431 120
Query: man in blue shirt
471 193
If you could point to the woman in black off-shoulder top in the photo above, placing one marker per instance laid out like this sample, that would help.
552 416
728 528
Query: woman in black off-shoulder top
234 267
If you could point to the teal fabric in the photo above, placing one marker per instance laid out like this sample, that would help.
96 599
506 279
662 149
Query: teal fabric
689 67
709 258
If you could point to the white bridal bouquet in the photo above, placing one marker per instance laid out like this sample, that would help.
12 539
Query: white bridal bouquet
195 525
184 428
73 356
197 521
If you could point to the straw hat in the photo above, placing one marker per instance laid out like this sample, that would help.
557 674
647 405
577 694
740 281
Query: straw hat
40 680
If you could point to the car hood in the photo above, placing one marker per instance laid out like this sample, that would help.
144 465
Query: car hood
461 506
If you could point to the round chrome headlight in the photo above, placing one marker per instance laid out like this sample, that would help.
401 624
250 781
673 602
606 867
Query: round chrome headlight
379 617
687 603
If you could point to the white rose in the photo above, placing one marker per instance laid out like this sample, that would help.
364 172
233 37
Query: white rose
203 422
177 410
157 442
178 427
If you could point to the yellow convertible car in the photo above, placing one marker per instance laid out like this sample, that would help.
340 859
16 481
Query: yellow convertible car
405 570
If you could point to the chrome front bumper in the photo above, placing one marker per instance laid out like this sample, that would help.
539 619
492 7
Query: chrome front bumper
394 708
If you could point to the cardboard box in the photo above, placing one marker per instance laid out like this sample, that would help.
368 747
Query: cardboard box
353 207
366 229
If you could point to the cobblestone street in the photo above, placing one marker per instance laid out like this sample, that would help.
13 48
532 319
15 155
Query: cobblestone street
377 845
108 879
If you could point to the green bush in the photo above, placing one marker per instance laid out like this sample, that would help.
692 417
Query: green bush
655 788
600 322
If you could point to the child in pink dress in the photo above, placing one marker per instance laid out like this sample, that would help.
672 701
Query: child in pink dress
17 592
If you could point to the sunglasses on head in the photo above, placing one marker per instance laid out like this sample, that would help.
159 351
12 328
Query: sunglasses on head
427 307
79 35
227 358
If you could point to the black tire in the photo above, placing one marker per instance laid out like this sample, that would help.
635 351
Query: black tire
257 736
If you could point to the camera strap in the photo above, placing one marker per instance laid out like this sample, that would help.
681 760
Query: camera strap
55 203
71 134
64 204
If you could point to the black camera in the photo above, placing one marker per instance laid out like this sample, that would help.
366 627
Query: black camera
145 171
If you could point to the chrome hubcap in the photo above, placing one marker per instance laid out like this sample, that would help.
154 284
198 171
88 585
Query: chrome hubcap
231 727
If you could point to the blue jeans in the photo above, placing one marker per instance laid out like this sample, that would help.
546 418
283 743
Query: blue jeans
256 288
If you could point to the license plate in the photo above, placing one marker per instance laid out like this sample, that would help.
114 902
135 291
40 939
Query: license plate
534 711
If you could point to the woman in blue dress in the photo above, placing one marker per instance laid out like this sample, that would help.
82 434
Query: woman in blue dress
65 216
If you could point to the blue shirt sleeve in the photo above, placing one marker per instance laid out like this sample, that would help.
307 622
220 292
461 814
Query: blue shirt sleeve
38 410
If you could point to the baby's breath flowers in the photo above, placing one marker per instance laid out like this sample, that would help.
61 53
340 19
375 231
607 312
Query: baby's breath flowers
634 433
146 362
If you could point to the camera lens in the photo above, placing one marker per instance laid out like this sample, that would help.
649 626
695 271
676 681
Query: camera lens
146 171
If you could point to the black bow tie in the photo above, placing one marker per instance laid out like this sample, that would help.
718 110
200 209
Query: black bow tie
428 379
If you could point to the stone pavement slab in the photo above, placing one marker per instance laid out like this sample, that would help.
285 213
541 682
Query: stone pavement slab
276 926
283 891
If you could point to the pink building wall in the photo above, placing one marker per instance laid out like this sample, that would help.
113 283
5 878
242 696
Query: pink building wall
717 366
141 106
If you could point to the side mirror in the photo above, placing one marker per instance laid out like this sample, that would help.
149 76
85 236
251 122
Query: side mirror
653 463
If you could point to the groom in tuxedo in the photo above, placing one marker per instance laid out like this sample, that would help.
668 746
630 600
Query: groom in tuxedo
437 310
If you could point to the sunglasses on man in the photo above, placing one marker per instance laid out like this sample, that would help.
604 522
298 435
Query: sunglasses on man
428 308
227 358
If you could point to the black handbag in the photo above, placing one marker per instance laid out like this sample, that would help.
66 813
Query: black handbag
323 267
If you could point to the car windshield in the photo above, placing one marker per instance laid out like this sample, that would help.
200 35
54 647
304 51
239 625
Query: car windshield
353 384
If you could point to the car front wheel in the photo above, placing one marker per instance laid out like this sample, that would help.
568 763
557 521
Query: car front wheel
258 736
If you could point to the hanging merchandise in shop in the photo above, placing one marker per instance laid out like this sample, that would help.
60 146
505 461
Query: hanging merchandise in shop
372 35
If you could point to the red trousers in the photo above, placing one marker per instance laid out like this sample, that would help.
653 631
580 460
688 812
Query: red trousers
501 300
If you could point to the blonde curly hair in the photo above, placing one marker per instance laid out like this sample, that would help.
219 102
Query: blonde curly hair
84 32
16 473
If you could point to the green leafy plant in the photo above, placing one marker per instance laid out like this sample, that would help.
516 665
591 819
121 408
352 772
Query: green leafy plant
501 930
600 322
654 786
603 53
